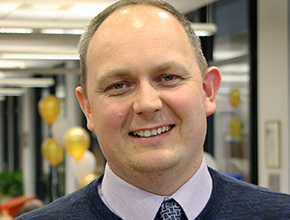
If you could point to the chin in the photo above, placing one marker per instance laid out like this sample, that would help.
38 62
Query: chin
156 164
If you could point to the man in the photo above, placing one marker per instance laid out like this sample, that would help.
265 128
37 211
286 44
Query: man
146 92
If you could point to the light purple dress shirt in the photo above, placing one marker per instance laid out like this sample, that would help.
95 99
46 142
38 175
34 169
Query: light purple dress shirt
131 203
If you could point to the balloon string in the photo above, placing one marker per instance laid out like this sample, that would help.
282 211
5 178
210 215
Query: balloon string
54 183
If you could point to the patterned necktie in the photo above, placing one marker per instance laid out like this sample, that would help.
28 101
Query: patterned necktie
171 210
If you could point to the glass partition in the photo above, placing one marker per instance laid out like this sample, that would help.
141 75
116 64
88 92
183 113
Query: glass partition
232 118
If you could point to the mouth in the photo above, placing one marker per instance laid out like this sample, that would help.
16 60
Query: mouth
151 133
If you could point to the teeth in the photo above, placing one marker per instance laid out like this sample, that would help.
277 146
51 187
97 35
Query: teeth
147 133
153 132
159 130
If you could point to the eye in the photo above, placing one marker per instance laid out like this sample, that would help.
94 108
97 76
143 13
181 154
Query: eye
118 86
168 78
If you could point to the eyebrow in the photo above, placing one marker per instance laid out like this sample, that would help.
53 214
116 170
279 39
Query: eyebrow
113 73
171 65
121 73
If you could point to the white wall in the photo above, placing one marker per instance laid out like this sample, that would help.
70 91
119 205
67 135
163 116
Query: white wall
273 84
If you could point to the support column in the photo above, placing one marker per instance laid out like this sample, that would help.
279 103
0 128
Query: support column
74 117
2 133
28 146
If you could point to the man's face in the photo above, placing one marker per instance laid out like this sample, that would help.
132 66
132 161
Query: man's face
145 98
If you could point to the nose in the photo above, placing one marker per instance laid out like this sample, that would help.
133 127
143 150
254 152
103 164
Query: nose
147 99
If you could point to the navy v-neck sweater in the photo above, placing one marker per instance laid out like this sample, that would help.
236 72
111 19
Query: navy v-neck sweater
230 199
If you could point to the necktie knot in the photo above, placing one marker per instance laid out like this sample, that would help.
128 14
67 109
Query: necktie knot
171 210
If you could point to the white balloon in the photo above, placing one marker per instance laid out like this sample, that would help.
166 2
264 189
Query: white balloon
86 165
58 128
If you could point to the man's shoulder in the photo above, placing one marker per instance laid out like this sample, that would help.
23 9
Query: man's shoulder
232 197
66 207
242 189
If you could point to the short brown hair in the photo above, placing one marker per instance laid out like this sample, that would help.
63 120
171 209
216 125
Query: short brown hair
98 20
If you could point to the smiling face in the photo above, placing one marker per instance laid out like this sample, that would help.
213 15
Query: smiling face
145 96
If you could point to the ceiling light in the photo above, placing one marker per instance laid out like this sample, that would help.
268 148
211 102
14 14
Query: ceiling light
221 54
16 30
27 82
89 9
40 56
62 31
17 72
42 25
11 92
4 7
235 68
11 64
235 79
204 29
45 7
203 33
201 29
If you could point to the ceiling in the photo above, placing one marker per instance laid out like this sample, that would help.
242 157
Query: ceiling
22 55
39 14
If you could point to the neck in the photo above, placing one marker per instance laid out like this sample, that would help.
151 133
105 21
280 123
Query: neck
163 183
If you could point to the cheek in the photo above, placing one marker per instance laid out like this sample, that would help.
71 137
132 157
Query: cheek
188 103
108 117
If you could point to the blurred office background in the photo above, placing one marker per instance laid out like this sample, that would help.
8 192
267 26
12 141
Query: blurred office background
248 136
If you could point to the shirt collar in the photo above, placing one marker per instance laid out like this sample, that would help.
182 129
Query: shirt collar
134 203
194 195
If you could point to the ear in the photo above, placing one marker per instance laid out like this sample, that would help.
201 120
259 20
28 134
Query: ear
211 84
85 106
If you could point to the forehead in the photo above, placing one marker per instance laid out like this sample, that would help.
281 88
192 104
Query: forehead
137 19
139 15
150 29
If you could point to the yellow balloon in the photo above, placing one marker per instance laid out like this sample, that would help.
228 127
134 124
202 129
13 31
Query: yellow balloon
85 180
235 97
52 151
76 141
235 127
49 108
